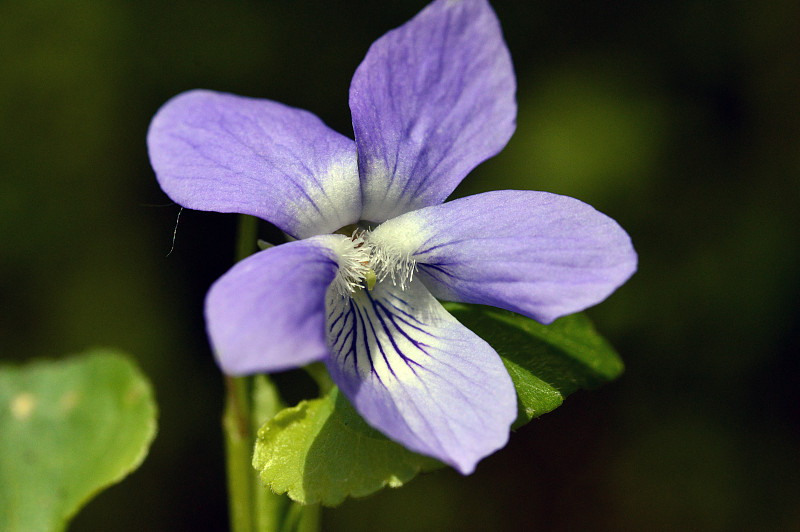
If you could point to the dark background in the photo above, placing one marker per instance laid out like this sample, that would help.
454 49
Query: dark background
679 119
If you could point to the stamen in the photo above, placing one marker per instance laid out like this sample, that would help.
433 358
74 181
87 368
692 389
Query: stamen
389 261
364 263
353 255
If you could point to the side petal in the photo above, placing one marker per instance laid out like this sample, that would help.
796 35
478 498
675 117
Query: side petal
535 253
431 100
226 153
418 375
267 313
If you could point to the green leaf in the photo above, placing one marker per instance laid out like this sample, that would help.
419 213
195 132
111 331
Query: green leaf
322 451
546 362
68 429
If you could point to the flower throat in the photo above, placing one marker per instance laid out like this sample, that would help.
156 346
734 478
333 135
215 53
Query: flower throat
365 260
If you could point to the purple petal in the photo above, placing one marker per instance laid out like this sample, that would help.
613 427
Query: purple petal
534 253
267 313
418 375
432 99
225 153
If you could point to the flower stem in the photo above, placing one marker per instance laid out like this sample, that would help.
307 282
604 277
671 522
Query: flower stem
238 447
237 419
249 403
246 237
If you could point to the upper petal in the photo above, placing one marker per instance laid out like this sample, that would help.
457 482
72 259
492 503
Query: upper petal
431 100
267 313
535 253
226 153
418 375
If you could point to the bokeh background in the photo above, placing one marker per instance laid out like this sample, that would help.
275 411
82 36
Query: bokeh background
679 119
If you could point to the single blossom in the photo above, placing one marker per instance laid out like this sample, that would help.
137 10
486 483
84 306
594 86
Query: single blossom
375 247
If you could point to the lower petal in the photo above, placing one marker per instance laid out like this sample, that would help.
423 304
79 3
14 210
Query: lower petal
419 376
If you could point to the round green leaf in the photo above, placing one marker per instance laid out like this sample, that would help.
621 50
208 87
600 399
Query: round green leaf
68 429
546 362
322 451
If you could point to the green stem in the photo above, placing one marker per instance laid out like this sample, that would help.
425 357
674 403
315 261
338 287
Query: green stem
237 419
247 236
249 403
301 518
238 449
319 373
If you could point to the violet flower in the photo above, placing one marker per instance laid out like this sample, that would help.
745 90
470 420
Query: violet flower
376 247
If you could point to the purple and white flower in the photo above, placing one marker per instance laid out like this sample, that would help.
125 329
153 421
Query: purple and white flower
376 247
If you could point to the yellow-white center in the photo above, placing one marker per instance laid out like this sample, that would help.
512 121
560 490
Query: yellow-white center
364 261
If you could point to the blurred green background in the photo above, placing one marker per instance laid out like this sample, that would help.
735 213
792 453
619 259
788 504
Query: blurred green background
679 119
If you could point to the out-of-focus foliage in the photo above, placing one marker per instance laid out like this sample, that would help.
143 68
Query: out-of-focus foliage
68 429
679 119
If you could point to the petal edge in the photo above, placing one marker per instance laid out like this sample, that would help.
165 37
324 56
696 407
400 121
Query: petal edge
267 313
220 152
534 253
431 100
